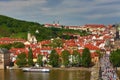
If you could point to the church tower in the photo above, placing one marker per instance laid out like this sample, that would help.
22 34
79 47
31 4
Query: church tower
28 36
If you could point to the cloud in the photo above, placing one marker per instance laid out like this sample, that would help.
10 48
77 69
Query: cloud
17 6
20 3
68 11
53 3
105 1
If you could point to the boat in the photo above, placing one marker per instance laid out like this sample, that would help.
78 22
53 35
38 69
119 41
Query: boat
36 69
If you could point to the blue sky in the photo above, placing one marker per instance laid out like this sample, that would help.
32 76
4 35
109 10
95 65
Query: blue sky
67 12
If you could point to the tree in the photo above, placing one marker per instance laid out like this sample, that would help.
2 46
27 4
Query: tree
79 59
18 45
57 42
39 60
7 46
54 59
115 58
4 30
30 57
86 58
65 57
15 45
21 60
76 58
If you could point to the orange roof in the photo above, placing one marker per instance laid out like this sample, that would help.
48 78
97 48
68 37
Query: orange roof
94 55
45 42
107 37
91 47
95 25
80 50
46 48
59 50
7 40
17 51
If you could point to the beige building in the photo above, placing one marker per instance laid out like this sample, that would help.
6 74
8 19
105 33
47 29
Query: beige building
4 58
31 38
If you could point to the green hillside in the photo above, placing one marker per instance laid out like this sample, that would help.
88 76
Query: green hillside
10 27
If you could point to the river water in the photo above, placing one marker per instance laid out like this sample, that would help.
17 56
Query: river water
53 75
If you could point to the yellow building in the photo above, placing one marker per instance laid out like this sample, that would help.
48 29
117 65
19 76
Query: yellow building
4 58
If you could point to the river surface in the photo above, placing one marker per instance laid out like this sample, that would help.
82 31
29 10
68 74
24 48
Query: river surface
53 75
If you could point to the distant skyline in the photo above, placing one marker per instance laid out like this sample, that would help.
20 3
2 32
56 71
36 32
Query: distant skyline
67 12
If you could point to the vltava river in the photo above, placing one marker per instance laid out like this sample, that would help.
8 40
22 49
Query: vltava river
53 75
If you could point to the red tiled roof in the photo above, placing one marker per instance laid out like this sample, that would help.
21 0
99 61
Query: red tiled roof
95 25
94 55
17 51
46 48
70 42
98 42
44 42
107 37
7 40
59 50
91 47
80 50
36 52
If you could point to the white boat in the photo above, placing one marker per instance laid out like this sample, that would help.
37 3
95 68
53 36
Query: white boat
36 69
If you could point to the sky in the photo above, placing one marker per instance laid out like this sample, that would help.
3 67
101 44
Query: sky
66 12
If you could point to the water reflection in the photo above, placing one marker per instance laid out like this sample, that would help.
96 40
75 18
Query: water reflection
20 75
69 75
36 76
1 74
53 75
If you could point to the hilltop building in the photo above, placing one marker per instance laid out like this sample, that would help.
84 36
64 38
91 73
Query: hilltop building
116 28
118 32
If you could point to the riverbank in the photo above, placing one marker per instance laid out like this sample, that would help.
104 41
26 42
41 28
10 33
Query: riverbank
61 68
72 69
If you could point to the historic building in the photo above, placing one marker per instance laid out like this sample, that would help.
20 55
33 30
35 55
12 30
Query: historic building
4 58
31 38
116 29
